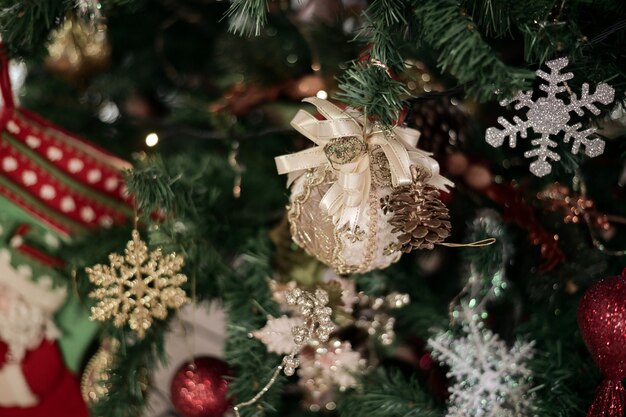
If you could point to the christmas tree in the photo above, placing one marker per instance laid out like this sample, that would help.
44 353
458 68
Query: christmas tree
317 207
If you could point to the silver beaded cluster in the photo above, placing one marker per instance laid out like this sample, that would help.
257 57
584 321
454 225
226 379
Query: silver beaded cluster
313 308
373 314
317 322
290 364
550 115
317 327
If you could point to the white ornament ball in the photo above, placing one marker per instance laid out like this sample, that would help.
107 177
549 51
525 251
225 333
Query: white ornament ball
368 245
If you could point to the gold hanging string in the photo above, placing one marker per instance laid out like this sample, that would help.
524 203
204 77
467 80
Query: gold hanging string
259 394
477 244
378 63
233 162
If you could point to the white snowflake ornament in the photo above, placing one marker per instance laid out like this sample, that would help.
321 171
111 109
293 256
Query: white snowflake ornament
550 115
489 378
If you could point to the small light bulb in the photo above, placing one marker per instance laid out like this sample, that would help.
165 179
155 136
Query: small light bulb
152 139
322 95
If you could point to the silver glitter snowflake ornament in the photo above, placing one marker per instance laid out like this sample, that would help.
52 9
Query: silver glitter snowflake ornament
550 115
489 379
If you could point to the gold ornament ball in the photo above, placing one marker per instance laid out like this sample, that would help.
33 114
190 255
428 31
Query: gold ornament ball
93 384
78 49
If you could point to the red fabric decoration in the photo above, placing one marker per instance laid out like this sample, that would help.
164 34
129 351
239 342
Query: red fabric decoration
48 378
19 242
516 209
62 180
602 318
4 349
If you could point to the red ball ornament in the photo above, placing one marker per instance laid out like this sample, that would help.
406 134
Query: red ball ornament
199 389
602 322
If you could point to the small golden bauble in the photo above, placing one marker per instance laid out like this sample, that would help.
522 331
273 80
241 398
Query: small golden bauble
93 384
78 49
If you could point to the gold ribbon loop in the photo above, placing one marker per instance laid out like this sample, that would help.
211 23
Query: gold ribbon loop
338 139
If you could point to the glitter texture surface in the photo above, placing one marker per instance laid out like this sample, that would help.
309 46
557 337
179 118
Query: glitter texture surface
550 115
602 322
200 389
138 287
610 400
488 378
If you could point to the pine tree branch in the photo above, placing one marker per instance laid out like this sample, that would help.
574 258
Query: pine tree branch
464 53
384 31
564 376
493 16
133 365
248 302
387 394
25 25
247 17
370 88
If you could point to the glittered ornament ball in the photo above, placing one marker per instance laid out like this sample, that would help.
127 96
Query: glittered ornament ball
602 322
199 389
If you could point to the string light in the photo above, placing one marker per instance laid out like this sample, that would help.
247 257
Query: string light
323 95
152 139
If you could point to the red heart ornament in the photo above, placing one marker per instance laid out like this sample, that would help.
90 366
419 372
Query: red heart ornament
602 322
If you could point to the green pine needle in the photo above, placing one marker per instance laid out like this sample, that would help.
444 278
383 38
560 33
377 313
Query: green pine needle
464 53
370 88
387 394
247 17
248 301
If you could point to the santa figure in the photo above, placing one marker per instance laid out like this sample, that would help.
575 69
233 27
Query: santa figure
34 381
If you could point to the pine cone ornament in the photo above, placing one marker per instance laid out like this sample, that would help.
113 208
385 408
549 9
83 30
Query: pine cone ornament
443 124
420 218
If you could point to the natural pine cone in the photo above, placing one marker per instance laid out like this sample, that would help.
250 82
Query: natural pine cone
418 214
442 122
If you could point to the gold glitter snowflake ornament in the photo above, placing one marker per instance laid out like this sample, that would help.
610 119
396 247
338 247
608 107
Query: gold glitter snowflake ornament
138 287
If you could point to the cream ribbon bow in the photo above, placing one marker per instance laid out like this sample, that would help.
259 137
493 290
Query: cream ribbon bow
343 142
